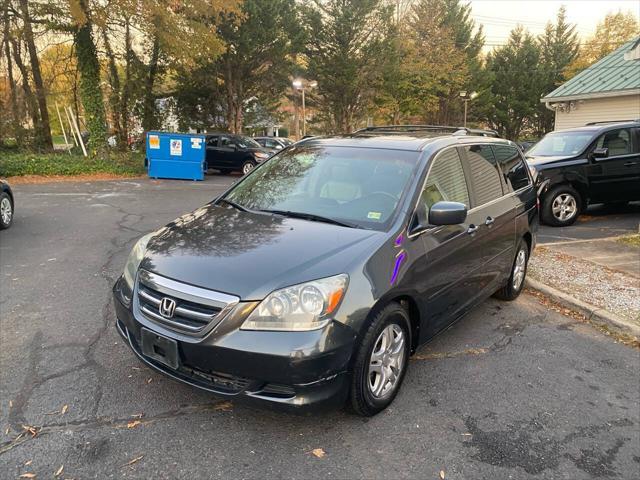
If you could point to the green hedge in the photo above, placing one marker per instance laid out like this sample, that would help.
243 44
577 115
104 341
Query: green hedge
21 163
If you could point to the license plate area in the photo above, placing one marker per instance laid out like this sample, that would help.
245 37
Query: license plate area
161 349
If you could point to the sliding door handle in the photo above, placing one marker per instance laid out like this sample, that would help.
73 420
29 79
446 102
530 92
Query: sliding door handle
472 229
489 221
630 164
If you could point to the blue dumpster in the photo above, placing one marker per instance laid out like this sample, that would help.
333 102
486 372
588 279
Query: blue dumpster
176 155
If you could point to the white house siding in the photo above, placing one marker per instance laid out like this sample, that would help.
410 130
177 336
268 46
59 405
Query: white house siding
599 110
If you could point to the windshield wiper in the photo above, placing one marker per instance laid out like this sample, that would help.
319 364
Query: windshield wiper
233 204
309 216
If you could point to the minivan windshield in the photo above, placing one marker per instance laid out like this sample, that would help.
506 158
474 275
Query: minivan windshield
560 144
358 187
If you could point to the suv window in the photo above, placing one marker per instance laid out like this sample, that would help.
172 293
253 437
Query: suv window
617 141
484 174
512 165
446 180
212 141
226 142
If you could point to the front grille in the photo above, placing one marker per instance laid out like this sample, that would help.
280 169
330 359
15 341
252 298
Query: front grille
196 310
216 380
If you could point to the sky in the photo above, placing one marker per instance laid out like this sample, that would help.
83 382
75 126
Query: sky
500 16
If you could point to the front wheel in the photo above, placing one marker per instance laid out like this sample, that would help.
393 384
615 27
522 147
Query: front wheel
561 206
381 361
512 289
248 166
6 211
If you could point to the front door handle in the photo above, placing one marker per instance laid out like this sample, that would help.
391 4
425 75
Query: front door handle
629 164
489 221
472 229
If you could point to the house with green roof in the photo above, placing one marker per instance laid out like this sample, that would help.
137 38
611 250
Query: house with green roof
608 90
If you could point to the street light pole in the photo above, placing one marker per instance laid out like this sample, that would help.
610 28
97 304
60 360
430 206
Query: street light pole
302 85
304 116
466 97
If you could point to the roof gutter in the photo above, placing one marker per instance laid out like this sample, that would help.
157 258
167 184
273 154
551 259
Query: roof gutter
586 96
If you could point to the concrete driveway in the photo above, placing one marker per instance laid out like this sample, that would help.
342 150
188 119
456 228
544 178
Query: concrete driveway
514 390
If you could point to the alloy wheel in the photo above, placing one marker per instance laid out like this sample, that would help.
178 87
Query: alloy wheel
247 167
6 212
387 361
519 269
564 207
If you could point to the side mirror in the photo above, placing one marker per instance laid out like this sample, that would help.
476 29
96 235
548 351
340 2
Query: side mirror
447 213
601 152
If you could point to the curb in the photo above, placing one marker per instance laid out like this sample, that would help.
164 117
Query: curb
591 312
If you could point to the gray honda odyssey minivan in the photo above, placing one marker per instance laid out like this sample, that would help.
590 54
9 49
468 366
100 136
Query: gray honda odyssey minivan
312 280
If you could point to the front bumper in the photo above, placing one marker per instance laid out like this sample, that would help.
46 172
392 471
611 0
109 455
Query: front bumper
290 370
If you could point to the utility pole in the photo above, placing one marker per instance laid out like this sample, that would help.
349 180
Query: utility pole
303 85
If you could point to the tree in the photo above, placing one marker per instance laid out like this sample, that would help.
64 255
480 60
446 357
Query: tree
348 44
614 30
511 97
558 49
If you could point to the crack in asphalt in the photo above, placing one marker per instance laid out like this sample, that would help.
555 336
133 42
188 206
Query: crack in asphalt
124 422
33 379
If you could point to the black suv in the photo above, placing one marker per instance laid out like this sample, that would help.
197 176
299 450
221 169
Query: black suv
228 153
597 163
313 279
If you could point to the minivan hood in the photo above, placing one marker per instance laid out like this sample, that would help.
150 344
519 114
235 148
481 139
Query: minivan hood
251 254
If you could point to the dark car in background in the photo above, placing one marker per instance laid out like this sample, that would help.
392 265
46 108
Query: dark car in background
312 280
274 143
7 205
229 153
596 163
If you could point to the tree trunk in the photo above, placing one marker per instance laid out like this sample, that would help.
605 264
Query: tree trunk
32 106
15 113
148 116
44 129
114 83
124 98
90 92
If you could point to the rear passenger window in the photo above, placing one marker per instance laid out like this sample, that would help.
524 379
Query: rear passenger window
617 141
446 181
512 166
484 174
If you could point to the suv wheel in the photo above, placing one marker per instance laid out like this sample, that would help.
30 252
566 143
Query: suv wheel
561 206
6 211
512 289
381 361
248 166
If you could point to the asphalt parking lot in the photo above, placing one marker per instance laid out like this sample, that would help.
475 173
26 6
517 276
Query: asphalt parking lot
512 391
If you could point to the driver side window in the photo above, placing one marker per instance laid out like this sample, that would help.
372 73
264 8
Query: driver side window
226 142
617 141
446 180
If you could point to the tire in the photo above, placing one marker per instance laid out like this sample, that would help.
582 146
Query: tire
247 166
6 211
514 285
561 206
370 393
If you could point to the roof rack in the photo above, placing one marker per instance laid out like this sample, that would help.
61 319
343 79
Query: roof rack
435 129
636 120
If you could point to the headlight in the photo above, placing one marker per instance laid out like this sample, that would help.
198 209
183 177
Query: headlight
135 257
307 306
261 156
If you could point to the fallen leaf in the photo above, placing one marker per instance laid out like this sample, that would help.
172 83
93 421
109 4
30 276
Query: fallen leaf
6 432
135 368
27 463
224 406
64 409
441 474
59 471
131 462
137 415
318 452
133 423
28 475
149 380
32 430
10 403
